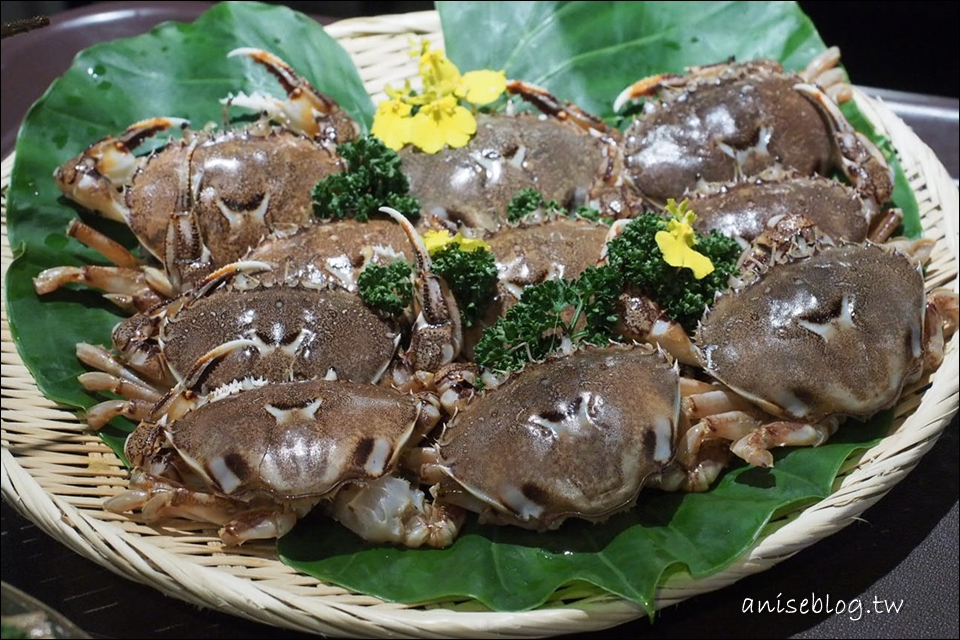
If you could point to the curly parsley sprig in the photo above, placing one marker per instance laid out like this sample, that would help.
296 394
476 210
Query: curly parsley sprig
373 178
549 313
637 255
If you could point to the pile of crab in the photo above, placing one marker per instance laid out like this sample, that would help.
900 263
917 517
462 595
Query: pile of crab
264 387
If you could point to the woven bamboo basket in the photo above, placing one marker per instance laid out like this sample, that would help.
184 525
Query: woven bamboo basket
57 474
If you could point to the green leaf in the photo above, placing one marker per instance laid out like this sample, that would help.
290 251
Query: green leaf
588 52
511 569
177 70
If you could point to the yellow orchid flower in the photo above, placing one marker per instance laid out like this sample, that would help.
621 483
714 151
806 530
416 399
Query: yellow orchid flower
442 122
435 118
391 123
676 242
482 87
435 240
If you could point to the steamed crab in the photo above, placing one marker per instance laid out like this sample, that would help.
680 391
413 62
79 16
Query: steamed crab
576 436
814 332
742 209
240 322
254 457
728 121
568 156
201 201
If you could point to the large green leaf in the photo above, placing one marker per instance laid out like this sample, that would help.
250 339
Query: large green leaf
177 70
587 52
511 569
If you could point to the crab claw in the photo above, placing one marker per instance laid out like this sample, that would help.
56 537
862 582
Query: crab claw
641 89
437 334
552 106
96 177
306 110
861 161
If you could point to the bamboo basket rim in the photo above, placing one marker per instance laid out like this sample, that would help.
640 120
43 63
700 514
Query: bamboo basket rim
49 463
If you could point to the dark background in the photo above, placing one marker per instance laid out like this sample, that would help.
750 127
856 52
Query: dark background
909 46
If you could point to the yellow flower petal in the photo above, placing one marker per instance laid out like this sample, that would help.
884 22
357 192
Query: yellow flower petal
458 125
677 253
438 73
425 133
471 244
483 87
391 123
437 239
442 122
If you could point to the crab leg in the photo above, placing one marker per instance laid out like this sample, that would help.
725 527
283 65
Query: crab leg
96 177
129 289
862 162
641 89
130 285
824 72
306 110
437 334
107 247
552 106
100 414
754 447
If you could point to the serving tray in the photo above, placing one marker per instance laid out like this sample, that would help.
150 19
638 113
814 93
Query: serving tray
57 474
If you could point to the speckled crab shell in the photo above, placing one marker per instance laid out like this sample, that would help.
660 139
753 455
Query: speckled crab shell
723 122
838 333
575 436
743 209
473 185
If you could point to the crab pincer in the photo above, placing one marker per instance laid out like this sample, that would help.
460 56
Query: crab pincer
305 110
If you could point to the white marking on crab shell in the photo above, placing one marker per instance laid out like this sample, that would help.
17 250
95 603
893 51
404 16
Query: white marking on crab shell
571 425
293 348
342 269
492 167
376 462
523 507
331 375
519 158
223 475
289 417
663 444
830 329
235 218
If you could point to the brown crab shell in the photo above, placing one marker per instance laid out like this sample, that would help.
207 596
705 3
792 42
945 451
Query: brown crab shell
472 186
300 333
836 333
743 209
723 122
240 185
576 436
288 440
330 252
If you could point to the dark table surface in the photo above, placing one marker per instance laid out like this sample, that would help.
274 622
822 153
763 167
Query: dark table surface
902 557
